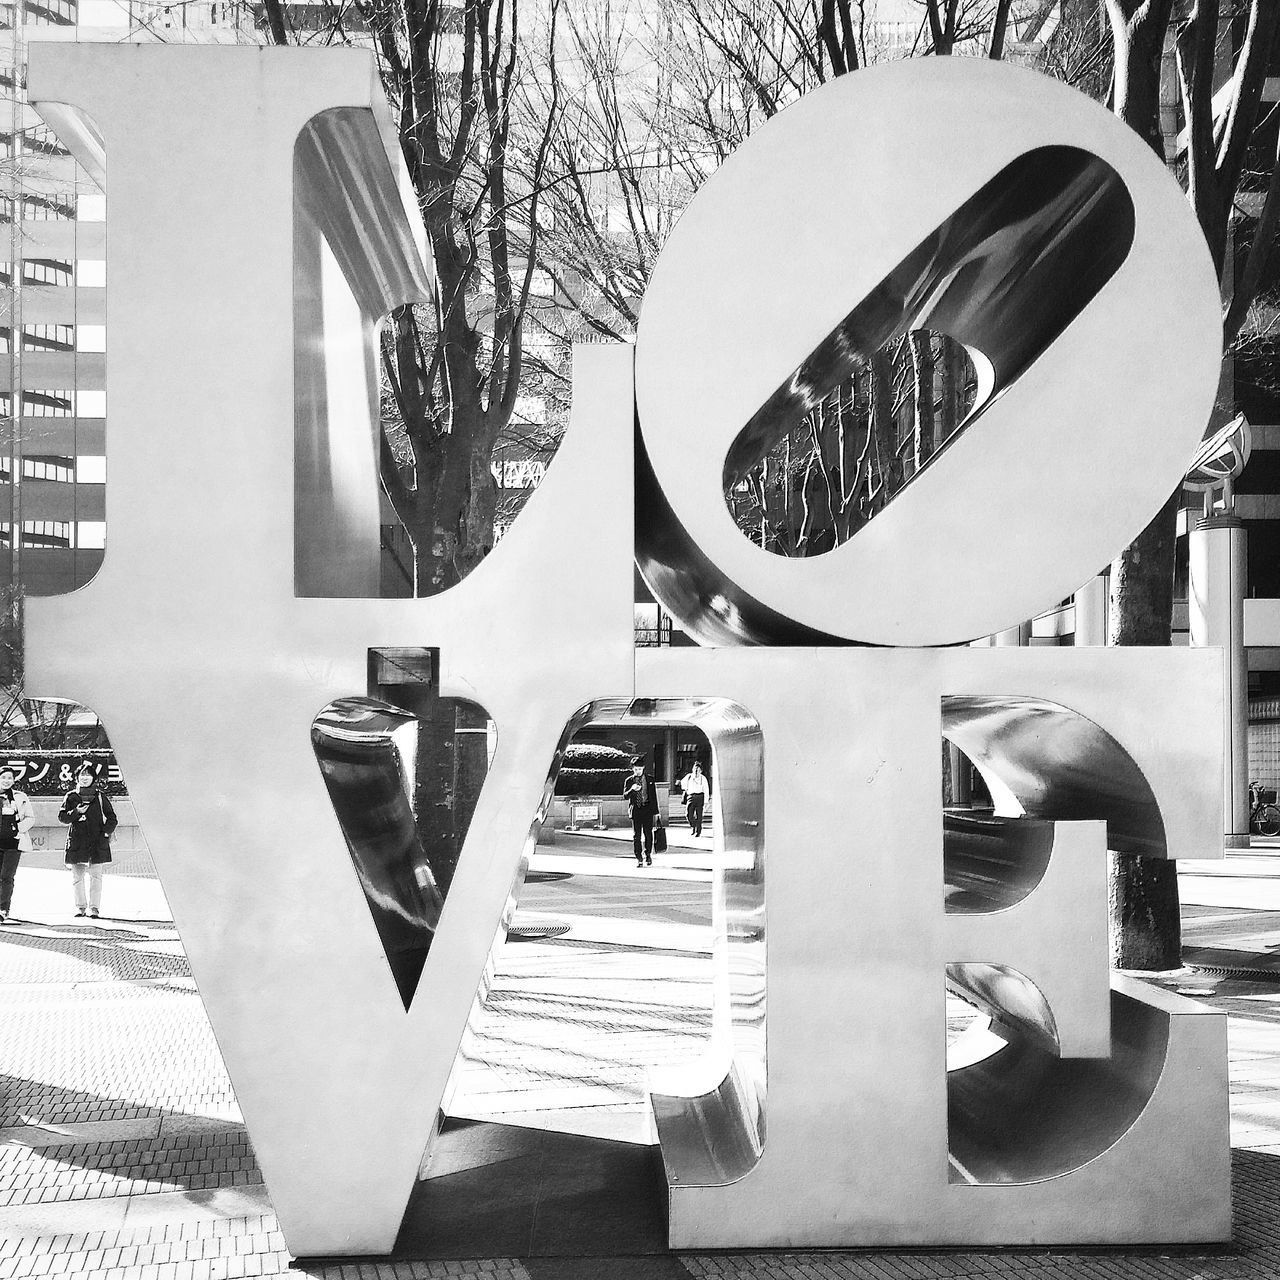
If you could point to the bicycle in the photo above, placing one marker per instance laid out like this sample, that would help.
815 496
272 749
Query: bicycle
1264 817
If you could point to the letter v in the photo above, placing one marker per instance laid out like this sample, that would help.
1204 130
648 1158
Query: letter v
207 669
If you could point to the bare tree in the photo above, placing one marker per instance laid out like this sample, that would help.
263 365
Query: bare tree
451 72
1217 128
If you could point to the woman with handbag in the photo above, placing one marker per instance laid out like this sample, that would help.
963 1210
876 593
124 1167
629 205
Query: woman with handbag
92 820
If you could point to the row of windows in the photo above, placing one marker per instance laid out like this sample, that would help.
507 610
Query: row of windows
57 404
64 206
51 13
38 208
88 273
122 13
56 337
89 535
87 468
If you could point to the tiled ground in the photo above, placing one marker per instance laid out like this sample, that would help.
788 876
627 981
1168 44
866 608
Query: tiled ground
103 1041
213 1249
90 1169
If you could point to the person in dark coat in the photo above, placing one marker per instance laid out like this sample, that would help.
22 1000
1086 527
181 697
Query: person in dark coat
16 818
642 803
88 811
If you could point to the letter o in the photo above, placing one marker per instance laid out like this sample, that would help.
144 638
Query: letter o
859 184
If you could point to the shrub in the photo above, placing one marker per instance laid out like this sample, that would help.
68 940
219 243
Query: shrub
595 755
590 782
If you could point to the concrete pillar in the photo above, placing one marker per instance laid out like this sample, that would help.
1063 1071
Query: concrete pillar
1216 606
1091 612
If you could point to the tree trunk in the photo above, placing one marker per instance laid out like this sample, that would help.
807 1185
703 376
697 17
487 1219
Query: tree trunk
1146 923
1144 901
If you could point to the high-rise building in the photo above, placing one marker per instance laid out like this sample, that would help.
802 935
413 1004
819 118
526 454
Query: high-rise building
53 338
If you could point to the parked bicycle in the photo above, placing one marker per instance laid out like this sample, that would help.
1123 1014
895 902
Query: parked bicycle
1264 817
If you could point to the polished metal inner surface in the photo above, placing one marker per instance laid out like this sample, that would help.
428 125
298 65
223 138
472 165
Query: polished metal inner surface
365 752
1023 1114
1014 1003
1004 275
1047 761
711 1121
991 863
712 608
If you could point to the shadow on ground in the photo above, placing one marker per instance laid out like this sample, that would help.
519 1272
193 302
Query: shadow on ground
561 1203
123 955
497 1190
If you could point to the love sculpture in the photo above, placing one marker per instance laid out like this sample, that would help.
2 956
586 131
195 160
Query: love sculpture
260 226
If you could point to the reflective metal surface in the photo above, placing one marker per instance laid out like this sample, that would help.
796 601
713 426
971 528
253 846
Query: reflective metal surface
829 755
1004 274
874 904
1029 224
370 784
355 257
1024 1114
1047 761
992 863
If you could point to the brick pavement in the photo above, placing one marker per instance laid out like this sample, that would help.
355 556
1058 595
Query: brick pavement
122 1155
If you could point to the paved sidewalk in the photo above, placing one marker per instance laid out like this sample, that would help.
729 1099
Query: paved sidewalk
123 1155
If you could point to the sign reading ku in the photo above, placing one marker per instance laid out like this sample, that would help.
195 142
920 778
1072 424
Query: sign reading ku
980 200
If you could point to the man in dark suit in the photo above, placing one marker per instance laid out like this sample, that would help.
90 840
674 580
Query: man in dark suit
641 796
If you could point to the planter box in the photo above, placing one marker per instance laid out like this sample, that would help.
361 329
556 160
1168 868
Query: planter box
612 809
50 834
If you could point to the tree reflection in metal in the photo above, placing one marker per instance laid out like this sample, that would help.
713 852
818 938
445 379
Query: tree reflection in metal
366 752
1050 277
1004 275
227 614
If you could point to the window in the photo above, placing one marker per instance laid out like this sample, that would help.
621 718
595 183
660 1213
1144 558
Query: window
40 140
56 337
104 13
91 469
91 273
92 404
91 535
47 208
48 404
38 467
48 337
51 13
93 207
46 533
46 271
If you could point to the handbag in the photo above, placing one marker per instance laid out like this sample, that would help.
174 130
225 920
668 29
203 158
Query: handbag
659 838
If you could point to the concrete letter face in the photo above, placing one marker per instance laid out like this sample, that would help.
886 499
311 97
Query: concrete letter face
863 1135
207 670
208 646
813 241
863 192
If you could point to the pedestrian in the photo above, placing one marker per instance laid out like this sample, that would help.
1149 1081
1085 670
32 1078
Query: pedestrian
16 819
92 819
641 796
694 786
